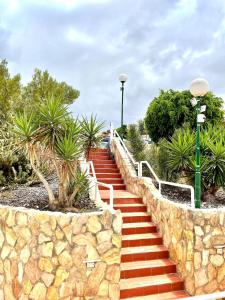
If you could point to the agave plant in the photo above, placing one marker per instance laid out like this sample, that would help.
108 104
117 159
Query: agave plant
90 133
51 134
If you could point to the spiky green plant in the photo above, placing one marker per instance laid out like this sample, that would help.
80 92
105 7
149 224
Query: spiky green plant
51 134
179 150
90 133
215 166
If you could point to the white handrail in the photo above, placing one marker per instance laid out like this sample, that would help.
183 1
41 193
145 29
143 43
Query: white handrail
109 186
140 170
126 150
214 296
160 182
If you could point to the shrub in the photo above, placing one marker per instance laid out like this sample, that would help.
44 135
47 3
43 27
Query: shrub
136 143
14 166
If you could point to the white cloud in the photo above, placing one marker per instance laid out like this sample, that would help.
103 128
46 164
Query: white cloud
79 37
161 44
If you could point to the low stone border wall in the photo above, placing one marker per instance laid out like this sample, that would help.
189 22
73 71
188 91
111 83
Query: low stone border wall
195 237
43 255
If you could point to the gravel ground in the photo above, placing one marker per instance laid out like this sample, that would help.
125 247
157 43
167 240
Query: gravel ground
36 197
183 196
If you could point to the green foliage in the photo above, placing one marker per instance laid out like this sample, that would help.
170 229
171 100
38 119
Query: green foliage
14 166
179 156
123 131
215 165
40 122
171 109
46 136
141 127
43 86
136 142
10 92
51 135
179 150
90 133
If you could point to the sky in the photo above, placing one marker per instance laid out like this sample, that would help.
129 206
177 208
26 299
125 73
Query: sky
159 44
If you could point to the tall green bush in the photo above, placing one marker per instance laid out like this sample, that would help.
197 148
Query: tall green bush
136 142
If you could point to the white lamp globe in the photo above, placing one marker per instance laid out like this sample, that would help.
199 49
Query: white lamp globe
199 87
123 77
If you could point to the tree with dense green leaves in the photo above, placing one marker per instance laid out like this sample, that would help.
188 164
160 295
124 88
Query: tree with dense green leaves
171 109
10 92
43 85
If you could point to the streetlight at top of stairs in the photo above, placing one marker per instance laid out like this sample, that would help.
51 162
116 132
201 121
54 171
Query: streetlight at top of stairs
199 87
122 79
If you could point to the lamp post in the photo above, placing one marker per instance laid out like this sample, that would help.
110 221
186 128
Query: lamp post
122 79
199 87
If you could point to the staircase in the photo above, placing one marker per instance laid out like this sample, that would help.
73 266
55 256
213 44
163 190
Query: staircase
147 273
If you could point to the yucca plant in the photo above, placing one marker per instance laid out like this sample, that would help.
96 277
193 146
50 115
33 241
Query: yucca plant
52 135
215 166
178 151
90 133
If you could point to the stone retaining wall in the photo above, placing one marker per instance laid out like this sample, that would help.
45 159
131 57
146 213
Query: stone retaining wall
195 237
43 254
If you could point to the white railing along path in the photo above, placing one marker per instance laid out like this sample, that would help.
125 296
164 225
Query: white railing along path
114 134
98 183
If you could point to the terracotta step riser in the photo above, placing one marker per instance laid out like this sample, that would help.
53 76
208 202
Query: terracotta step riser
148 272
99 156
142 242
132 209
111 181
99 151
127 201
153 289
136 219
107 170
119 201
104 161
118 188
144 256
112 175
107 166
137 230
